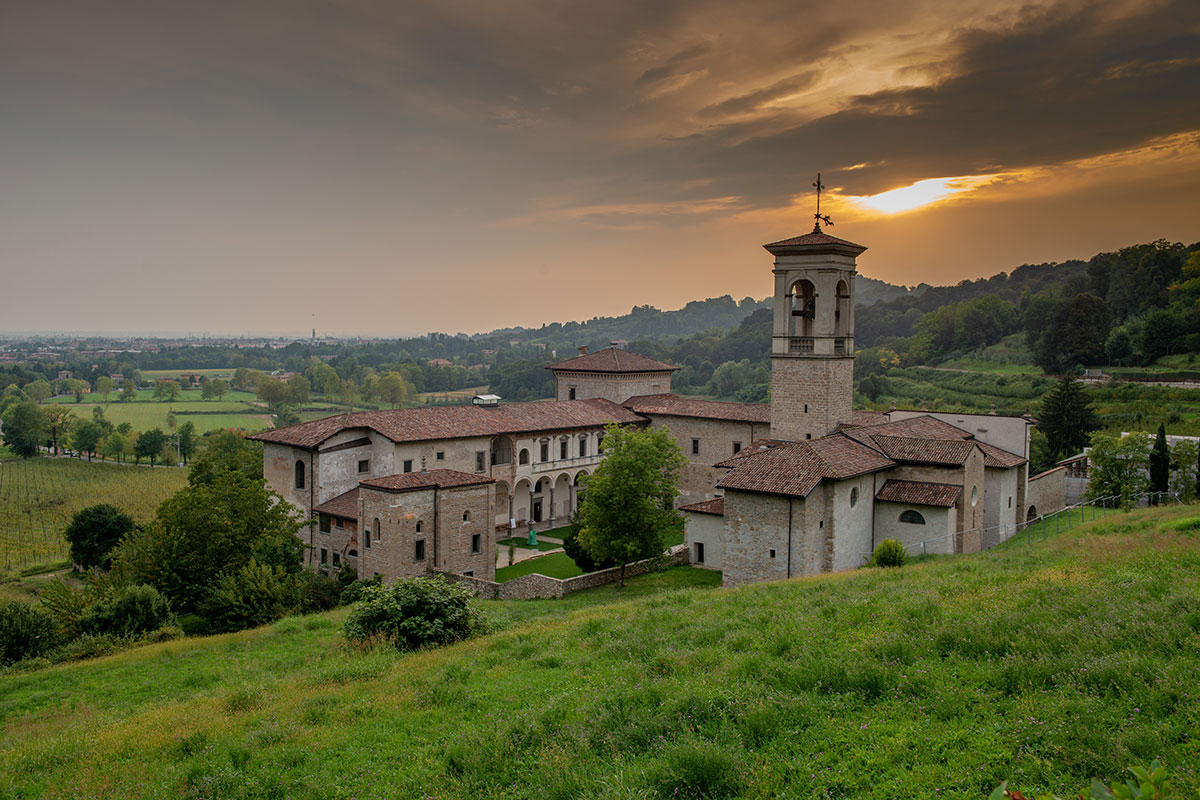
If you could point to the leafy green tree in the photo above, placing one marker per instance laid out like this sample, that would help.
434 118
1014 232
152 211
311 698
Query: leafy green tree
1118 467
167 391
1067 418
1160 462
25 428
104 386
132 610
628 505
128 392
211 390
149 445
59 421
39 391
394 389
187 440
78 388
207 530
86 437
1119 345
226 451
253 595
1183 470
25 632
298 389
93 533
113 446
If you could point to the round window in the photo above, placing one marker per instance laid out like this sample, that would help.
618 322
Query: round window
974 495
854 497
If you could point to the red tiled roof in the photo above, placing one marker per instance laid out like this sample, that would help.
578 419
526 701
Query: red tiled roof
412 481
868 417
998 457
345 505
716 507
920 450
796 469
676 406
919 493
612 359
756 447
816 241
927 427
457 422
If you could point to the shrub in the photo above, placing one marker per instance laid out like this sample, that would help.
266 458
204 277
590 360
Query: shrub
354 592
25 632
94 531
414 613
132 611
318 591
254 595
580 556
889 553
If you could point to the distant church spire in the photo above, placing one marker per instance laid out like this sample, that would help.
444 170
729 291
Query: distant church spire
819 217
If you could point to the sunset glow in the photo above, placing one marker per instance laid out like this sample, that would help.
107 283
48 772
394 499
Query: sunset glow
920 194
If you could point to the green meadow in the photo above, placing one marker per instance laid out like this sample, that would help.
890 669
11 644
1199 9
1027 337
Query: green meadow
1044 662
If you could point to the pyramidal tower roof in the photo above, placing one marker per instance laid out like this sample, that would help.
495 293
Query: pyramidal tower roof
816 242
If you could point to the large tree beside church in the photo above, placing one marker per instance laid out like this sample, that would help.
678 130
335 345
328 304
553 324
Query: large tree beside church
1067 418
628 505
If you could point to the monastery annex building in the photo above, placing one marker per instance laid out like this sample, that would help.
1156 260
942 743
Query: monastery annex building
803 485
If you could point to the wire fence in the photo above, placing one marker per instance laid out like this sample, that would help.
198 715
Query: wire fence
1037 529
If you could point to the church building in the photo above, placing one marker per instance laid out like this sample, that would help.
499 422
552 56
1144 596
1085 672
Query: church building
803 485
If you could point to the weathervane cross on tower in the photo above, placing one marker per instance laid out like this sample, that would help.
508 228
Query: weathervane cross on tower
819 217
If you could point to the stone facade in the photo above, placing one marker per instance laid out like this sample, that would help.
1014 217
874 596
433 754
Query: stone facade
426 530
610 386
810 397
703 533
705 442
1047 493
937 536
770 538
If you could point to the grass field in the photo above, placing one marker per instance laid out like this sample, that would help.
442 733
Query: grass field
555 565
38 497
1045 666
234 411
173 374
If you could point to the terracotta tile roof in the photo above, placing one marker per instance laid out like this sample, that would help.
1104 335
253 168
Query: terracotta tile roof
920 450
998 457
868 417
457 422
716 507
344 505
756 447
612 359
816 241
926 427
412 481
676 406
919 493
796 469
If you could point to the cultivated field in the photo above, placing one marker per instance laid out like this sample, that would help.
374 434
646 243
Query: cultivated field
38 497
1045 664
235 410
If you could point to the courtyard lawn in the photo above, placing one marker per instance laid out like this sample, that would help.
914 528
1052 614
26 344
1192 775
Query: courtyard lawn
521 543
555 565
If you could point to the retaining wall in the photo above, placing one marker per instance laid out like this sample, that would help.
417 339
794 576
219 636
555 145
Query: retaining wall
536 586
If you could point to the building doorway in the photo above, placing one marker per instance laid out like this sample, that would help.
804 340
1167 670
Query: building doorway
537 510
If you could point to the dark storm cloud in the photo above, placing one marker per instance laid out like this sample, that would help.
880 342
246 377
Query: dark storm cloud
1058 86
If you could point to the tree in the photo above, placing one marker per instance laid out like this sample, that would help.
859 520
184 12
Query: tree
86 436
628 505
93 533
1160 462
128 392
226 451
1067 418
1118 467
207 530
187 440
39 391
104 386
113 446
78 388
25 428
214 389
149 444
1119 345
59 420
393 389
167 391
298 389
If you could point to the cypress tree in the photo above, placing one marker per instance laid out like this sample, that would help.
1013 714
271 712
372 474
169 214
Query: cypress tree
1160 462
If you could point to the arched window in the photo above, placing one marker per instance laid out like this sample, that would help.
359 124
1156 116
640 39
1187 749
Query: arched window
523 458
373 533
299 474
912 517
841 314
466 516
974 495
352 553
804 308
1032 515
418 526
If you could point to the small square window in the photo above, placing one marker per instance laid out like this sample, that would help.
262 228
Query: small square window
808 436
324 524
480 461
737 448
476 543
771 553
338 523
441 455
469 573
695 447
408 465
337 558
562 449
419 550
324 556
364 465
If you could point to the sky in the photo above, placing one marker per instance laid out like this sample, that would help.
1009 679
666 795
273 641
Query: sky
386 169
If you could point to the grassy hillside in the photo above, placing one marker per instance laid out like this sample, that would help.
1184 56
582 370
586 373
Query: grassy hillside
1045 664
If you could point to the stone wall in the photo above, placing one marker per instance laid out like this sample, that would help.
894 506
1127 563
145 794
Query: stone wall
715 438
1047 492
756 537
810 396
541 587
610 386
707 530
938 532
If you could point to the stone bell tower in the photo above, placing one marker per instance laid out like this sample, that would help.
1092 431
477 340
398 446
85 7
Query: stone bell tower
812 343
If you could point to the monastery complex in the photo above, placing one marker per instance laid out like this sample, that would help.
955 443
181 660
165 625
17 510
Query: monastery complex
803 485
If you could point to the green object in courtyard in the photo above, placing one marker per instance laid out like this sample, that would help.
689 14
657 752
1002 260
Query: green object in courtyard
532 541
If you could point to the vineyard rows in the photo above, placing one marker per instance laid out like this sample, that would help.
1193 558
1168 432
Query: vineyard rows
39 496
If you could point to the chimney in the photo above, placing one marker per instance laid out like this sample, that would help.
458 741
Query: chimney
583 350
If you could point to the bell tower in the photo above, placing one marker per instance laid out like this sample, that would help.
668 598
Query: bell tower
812 342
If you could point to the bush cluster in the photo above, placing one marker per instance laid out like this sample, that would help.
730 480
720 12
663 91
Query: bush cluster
889 553
414 613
